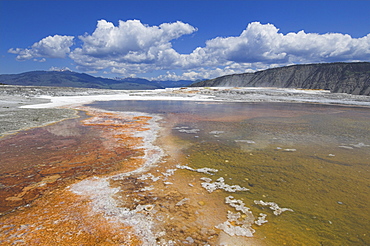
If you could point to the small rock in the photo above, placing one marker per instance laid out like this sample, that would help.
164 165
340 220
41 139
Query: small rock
14 198
201 203
190 239
290 150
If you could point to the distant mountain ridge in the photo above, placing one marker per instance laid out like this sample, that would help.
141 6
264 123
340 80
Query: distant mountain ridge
82 80
351 78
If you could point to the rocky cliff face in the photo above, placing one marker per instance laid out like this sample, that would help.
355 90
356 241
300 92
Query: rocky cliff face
352 78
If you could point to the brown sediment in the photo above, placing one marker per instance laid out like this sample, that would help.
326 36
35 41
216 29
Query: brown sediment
37 166
66 149
62 218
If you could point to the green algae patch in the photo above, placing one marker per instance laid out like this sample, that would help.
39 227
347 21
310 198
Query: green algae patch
317 165
328 199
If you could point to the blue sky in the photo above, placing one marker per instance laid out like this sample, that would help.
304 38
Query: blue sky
179 39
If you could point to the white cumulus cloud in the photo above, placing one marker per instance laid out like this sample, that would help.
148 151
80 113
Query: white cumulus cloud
130 46
263 43
56 46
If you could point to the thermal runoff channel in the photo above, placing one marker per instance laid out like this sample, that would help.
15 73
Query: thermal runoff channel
189 172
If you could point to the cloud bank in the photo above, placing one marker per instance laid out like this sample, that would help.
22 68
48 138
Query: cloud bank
50 47
133 48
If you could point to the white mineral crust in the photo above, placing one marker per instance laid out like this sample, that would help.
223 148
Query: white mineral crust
220 184
205 170
273 206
